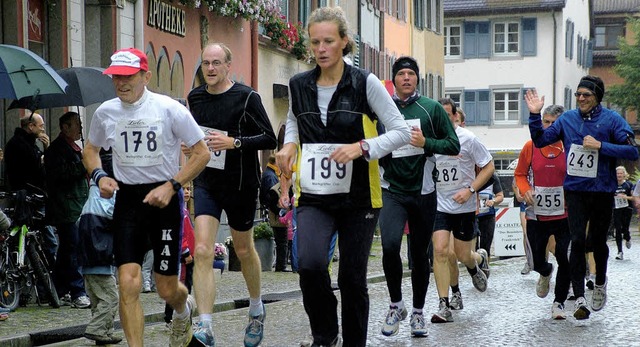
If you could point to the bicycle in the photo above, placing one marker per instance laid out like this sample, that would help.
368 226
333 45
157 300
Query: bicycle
22 259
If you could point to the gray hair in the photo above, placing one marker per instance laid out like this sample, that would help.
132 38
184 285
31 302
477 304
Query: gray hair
554 110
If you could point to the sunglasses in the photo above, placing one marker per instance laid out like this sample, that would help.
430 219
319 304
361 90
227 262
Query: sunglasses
586 95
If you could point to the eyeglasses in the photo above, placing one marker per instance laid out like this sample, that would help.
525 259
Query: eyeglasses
216 63
579 94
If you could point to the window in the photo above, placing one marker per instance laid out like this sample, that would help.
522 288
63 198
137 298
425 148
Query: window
477 40
304 11
452 40
506 106
284 8
455 96
568 97
607 36
477 107
502 164
438 11
429 14
568 40
419 14
505 38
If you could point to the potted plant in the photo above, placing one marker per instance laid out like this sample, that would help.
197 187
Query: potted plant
265 245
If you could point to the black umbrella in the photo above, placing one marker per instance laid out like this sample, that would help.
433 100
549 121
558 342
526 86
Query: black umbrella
87 86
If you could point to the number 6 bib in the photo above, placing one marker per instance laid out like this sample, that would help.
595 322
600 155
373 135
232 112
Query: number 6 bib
321 175
139 142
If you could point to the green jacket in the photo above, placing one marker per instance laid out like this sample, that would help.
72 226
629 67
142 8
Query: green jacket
404 175
67 182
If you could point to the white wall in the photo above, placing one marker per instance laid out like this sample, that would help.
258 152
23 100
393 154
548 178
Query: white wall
76 32
369 26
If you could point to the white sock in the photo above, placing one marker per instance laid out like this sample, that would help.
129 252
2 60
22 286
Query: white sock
205 318
399 304
182 315
255 306
417 310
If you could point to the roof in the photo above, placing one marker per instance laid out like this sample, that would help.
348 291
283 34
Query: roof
615 6
453 8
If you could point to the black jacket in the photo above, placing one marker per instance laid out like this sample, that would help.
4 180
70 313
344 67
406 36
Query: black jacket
23 161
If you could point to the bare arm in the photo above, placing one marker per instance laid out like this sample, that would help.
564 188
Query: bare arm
161 195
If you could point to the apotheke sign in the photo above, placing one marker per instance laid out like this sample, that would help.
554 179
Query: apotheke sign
166 17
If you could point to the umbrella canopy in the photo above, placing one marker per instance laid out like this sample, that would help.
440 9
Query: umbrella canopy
87 86
24 73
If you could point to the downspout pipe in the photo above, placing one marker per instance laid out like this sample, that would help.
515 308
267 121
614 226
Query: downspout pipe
555 56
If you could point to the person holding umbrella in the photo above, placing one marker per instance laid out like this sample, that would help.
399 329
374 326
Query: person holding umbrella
145 130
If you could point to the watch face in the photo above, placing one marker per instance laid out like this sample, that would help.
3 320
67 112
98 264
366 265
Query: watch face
365 145
237 143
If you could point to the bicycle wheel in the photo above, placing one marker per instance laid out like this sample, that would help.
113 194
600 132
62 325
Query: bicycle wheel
43 275
9 283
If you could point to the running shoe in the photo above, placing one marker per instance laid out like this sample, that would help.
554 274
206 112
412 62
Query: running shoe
443 315
479 280
254 332
392 321
599 297
418 326
526 269
81 302
581 311
204 334
557 311
590 282
620 256
456 301
484 265
628 243
181 330
542 288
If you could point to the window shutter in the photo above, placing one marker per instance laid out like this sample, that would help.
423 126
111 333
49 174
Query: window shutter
470 40
470 107
579 60
356 56
524 109
567 38
529 37
572 26
590 53
483 107
484 40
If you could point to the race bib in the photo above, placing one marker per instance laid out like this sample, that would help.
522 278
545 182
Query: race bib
549 201
409 150
320 175
483 198
620 202
582 162
217 158
139 142
448 174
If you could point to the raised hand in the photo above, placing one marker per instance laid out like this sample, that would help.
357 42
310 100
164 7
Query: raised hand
534 103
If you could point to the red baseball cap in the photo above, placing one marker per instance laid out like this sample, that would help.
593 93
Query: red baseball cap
127 61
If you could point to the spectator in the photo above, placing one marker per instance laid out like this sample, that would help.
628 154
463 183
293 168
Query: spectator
67 192
96 260
269 199
24 166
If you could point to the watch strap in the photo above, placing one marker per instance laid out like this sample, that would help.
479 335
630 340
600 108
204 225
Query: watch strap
176 185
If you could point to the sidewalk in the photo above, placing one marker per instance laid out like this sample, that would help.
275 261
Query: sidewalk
34 325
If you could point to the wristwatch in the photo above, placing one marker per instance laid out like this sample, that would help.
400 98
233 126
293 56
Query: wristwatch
471 189
364 147
237 143
176 185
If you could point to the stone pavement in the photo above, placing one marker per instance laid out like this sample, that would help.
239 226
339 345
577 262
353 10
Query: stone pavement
508 314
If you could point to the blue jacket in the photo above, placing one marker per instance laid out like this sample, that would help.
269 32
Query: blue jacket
604 125
96 234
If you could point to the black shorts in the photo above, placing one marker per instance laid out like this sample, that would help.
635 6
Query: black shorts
139 227
240 206
462 224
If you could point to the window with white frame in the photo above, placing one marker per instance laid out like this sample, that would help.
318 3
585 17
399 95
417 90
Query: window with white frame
455 96
506 38
506 106
284 8
452 41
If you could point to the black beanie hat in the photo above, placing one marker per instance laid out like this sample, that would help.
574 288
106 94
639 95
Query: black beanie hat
594 84
405 63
